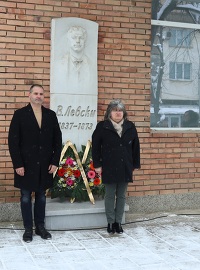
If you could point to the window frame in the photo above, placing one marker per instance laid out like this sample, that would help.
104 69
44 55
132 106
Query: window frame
176 25
184 33
175 72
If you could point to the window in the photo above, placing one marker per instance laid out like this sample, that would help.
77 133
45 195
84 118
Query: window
175 64
179 71
180 37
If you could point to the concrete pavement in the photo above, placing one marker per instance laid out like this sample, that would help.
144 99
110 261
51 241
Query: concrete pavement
161 241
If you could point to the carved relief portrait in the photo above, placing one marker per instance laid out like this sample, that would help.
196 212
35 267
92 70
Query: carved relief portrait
76 62
74 67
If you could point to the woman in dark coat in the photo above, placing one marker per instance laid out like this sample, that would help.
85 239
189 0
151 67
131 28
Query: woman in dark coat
116 154
35 143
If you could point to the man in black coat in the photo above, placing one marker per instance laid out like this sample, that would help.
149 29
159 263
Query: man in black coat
35 143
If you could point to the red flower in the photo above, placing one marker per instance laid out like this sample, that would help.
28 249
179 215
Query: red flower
76 173
97 182
61 172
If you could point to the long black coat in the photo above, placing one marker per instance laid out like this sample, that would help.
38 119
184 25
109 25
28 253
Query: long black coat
34 148
118 156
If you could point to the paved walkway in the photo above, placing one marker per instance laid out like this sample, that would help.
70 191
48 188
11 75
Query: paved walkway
155 242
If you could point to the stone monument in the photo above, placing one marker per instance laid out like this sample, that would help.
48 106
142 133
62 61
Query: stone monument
73 80
73 96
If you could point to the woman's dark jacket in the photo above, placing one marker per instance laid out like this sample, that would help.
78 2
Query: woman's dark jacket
34 148
118 156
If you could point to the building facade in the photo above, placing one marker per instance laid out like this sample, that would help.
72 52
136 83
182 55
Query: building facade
170 172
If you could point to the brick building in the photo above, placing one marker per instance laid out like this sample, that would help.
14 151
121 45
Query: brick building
169 177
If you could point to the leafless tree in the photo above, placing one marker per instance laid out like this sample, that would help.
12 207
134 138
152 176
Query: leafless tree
160 11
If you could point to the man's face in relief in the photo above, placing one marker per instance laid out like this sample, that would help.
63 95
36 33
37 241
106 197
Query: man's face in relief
77 40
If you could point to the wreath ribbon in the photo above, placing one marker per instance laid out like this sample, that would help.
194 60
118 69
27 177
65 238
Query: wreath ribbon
88 145
69 144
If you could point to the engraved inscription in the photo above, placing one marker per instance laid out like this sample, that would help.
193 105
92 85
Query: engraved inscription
79 126
79 111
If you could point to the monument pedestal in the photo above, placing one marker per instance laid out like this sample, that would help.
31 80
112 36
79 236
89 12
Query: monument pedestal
84 215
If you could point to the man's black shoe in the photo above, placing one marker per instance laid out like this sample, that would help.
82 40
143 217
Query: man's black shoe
111 228
40 230
118 227
28 235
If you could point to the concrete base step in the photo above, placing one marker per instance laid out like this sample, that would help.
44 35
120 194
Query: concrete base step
65 215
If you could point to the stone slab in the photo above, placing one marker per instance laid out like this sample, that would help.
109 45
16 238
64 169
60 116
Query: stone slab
65 215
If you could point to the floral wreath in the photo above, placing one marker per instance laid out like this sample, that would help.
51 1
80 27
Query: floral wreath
77 179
